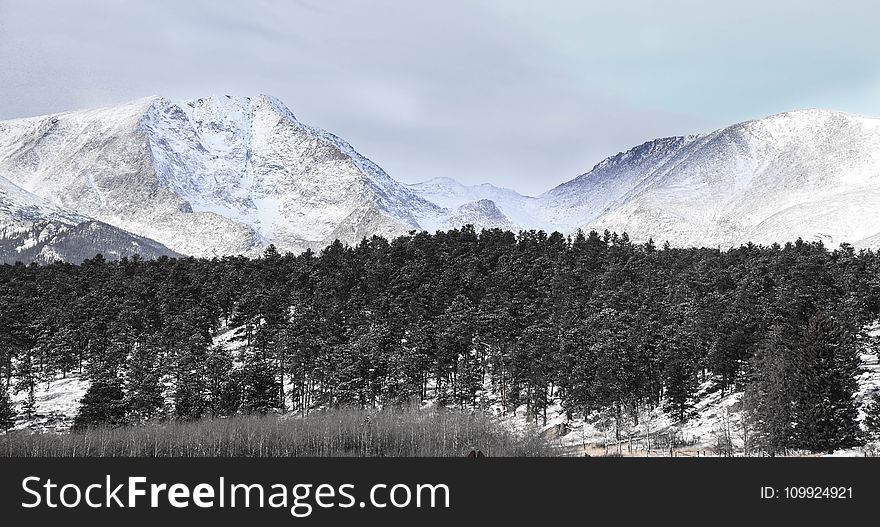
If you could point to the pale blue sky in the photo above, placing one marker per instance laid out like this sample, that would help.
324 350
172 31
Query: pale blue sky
519 93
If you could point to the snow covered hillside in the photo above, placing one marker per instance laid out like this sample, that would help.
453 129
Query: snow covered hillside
812 174
716 428
584 198
34 230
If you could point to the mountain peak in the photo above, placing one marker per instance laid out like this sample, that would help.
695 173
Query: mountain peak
275 104
810 113
791 122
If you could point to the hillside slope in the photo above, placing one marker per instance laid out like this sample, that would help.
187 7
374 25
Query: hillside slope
810 174
34 230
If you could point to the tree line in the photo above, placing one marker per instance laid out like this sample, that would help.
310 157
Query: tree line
598 322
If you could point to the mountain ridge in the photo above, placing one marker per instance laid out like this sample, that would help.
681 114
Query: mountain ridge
762 181
229 175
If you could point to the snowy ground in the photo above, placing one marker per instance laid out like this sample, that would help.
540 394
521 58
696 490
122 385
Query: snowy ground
56 404
716 417
598 434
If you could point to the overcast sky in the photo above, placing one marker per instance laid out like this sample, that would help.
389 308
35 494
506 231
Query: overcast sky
518 93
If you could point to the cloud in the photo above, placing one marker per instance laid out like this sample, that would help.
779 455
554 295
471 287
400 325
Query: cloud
493 91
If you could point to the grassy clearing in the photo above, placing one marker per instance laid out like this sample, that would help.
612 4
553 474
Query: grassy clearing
331 433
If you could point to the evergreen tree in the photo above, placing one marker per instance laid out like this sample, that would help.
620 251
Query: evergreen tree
27 382
103 403
260 384
825 411
303 337
455 339
872 416
577 371
7 408
681 386
768 397
221 383
144 391
533 367
190 393
680 362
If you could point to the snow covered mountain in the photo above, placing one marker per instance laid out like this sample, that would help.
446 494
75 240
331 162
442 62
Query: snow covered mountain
812 174
514 211
584 198
33 230
215 176
229 175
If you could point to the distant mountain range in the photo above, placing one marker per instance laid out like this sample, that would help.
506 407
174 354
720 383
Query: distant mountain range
226 175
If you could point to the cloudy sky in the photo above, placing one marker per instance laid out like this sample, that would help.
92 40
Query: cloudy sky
518 93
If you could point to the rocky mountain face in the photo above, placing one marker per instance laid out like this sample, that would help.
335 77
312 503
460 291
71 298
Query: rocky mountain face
229 175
